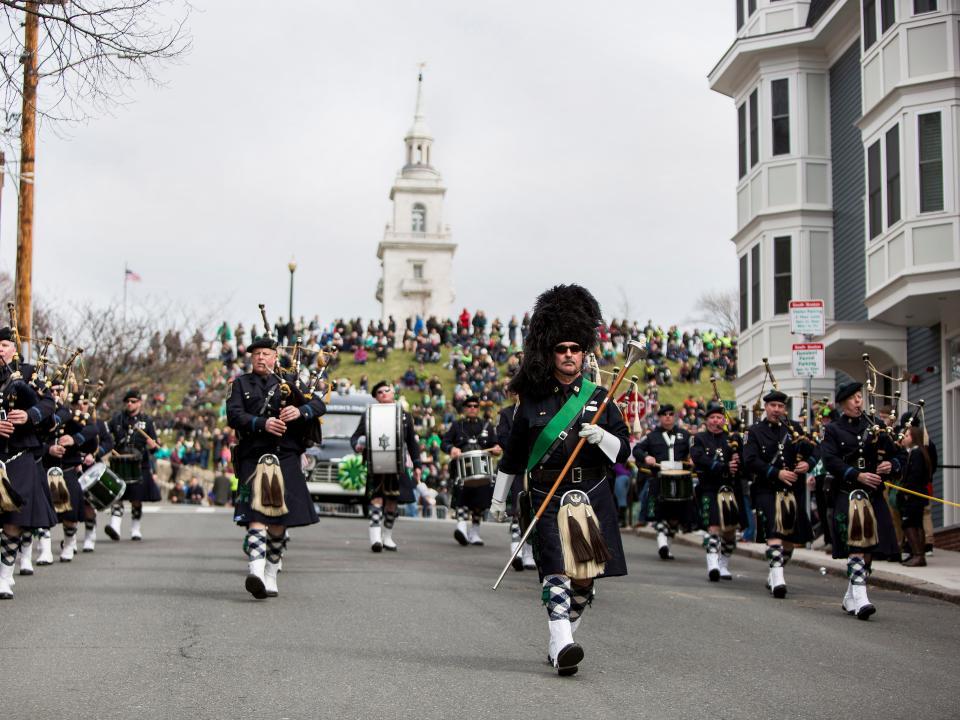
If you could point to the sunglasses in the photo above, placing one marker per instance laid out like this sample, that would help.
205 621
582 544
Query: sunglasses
132 400
472 405
564 348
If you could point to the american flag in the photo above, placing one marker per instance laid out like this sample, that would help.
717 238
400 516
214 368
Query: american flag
131 275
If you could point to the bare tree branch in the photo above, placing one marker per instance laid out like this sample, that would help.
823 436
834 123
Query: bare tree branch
90 53
720 309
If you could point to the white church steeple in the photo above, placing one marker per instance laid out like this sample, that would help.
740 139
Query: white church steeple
416 253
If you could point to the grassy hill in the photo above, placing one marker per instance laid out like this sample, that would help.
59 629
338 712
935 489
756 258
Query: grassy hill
398 361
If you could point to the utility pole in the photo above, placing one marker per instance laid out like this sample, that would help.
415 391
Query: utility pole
28 136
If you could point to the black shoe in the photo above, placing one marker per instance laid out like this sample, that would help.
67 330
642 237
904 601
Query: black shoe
714 575
780 592
390 548
376 547
665 553
87 550
111 533
66 559
255 587
568 659
136 538
517 563
865 612
460 538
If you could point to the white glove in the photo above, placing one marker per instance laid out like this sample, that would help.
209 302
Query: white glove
593 433
498 506
608 442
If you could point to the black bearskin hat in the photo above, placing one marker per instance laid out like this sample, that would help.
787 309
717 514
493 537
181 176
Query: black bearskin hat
564 313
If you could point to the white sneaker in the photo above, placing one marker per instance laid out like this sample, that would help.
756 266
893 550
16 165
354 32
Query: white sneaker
388 543
663 546
68 548
460 534
26 558
473 534
517 562
376 540
6 582
562 652
113 527
776 583
270 579
255 582
90 539
45 554
135 533
858 603
527 554
725 567
713 566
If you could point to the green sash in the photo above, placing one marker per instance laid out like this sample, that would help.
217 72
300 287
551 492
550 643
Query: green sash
559 422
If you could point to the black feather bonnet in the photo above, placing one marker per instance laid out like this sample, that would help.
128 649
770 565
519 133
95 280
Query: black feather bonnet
564 313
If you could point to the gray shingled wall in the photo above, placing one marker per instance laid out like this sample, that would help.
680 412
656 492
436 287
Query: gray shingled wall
923 351
849 263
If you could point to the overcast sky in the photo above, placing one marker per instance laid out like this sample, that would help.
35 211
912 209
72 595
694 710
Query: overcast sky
578 142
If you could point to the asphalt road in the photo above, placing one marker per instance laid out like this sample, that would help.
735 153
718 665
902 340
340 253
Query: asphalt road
163 629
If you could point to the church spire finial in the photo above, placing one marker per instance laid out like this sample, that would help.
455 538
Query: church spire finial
418 112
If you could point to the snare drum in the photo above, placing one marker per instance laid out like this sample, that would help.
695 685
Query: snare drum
474 468
101 487
385 438
127 467
676 485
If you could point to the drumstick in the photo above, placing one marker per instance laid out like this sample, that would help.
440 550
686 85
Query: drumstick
146 435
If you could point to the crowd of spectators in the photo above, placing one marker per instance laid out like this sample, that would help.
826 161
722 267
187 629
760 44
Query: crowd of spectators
481 353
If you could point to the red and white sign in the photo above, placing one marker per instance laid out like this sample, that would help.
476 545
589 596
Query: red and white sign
807 317
633 405
808 360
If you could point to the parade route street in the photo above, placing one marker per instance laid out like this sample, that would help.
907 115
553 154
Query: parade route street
164 629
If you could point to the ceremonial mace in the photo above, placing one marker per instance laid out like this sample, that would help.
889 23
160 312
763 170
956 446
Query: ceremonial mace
636 350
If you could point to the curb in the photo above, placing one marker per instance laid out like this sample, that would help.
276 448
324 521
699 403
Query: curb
879 578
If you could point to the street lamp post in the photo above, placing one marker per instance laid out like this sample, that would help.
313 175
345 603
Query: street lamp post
292 267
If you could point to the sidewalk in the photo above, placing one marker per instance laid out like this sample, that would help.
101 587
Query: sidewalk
939 579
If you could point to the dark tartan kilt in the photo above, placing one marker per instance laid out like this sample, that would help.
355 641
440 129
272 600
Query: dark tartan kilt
397 487
71 476
710 508
475 498
764 502
886 535
682 513
300 509
144 491
29 480
546 546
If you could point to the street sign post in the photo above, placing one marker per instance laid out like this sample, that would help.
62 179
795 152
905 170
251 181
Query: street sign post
808 360
807 317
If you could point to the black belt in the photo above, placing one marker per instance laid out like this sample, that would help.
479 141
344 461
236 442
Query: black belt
574 475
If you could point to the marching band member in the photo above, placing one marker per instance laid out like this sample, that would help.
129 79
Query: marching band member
95 450
134 435
24 495
466 434
385 490
273 493
715 455
777 462
858 453
555 406
76 445
665 444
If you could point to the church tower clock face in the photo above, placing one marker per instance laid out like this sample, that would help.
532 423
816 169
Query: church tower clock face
416 252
